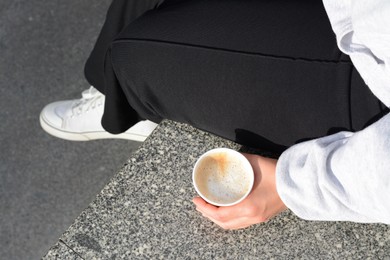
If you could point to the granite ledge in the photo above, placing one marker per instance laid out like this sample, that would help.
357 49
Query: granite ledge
146 212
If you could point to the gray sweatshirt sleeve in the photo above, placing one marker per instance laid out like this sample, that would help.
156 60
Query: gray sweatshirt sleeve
346 176
342 177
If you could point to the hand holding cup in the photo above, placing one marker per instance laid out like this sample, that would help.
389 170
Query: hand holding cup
259 206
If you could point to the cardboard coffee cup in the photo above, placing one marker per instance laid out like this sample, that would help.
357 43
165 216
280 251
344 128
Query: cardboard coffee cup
223 177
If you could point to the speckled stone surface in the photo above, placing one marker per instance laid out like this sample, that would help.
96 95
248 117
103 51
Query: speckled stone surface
61 251
146 212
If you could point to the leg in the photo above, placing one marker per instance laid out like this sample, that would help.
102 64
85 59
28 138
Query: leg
120 14
268 76
80 119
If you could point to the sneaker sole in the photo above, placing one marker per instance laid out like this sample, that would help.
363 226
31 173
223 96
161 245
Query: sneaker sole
87 136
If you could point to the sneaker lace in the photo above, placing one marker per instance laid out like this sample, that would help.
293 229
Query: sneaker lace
91 98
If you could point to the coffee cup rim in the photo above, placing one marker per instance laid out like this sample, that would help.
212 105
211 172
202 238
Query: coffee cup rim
242 158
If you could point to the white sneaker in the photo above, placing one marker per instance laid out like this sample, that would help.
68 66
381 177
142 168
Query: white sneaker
79 120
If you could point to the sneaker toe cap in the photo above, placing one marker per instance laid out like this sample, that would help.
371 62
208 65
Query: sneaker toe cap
53 113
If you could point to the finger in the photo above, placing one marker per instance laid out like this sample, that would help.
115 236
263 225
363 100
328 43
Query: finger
198 201
233 224
220 215
204 207
201 205
219 223
230 221
208 210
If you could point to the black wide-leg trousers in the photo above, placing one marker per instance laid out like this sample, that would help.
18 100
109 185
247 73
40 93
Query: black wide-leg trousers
266 74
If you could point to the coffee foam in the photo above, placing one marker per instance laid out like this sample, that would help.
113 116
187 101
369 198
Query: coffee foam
222 178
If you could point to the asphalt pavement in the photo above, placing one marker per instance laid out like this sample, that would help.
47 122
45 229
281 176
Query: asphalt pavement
46 182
